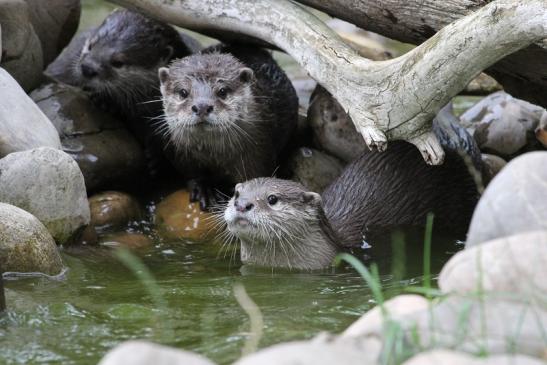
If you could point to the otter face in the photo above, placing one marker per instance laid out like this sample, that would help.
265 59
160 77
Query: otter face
206 93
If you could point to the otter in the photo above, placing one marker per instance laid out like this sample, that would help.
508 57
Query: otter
279 223
229 112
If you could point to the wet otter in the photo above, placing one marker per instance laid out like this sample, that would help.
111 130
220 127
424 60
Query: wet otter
229 111
279 223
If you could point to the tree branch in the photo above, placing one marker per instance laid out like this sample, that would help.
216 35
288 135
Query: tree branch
395 99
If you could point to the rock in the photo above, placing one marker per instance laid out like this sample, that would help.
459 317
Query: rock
176 218
22 125
503 125
511 203
47 183
21 48
55 22
541 130
514 264
492 165
372 321
145 353
482 85
25 244
323 349
314 169
107 153
114 208
128 240
449 357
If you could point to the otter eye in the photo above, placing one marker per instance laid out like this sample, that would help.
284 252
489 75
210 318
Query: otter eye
236 195
183 93
272 199
222 92
116 63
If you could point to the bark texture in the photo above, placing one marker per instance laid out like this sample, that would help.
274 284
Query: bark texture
523 74
395 99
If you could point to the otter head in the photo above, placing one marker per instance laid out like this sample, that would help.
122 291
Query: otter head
280 224
207 94
120 58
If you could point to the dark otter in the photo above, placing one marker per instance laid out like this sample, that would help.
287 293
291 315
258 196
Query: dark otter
280 223
229 112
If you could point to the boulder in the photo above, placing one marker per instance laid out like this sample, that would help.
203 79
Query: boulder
47 183
314 169
114 209
514 264
22 51
146 353
512 202
25 244
130 240
449 357
107 153
23 126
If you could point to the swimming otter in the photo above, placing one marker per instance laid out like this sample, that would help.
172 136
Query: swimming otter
279 223
229 111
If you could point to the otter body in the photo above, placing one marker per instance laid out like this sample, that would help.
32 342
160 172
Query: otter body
374 195
229 111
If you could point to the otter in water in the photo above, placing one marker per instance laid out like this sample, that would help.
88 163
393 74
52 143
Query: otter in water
281 224
229 111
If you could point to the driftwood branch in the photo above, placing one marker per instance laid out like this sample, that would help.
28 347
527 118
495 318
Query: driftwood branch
395 99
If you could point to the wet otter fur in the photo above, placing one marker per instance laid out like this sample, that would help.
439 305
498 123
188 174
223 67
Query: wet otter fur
281 224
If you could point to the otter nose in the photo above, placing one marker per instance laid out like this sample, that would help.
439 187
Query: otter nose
88 70
243 206
202 109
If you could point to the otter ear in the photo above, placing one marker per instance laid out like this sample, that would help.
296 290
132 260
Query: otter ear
311 197
167 53
163 73
246 75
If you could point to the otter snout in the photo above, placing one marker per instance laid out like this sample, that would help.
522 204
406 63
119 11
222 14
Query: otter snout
88 70
202 109
243 206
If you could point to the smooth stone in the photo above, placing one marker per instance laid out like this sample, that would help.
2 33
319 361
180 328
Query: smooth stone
450 357
503 125
323 349
128 240
107 153
21 47
47 183
541 130
55 22
492 165
137 352
314 169
114 208
513 202
23 126
514 264
25 244
372 321
482 85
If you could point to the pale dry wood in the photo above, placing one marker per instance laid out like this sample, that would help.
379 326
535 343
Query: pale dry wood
395 99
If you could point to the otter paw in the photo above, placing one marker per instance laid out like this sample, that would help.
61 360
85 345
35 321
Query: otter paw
430 148
203 194
374 138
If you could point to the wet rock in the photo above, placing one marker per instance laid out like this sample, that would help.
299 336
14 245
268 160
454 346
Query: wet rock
88 236
492 165
512 203
47 183
323 349
450 357
128 240
107 153
514 264
314 169
21 48
25 244
176 218
503 125
22 125
541 130
145 353
55 22
114 208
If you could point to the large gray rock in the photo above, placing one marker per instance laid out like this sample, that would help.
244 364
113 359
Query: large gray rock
514 264
147 353
449 357
25 244
105 150
47 183
21 47
23 126
314 169
513 202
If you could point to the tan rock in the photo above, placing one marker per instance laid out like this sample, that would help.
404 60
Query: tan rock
114 208
128 240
